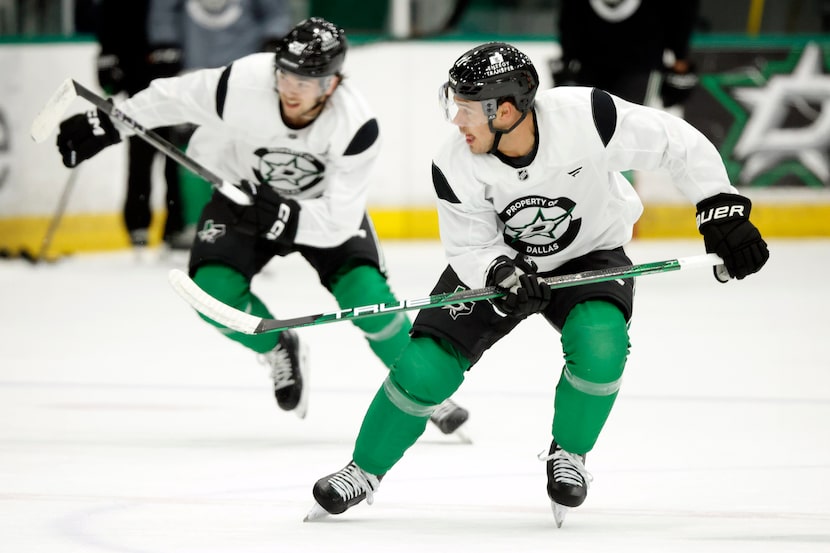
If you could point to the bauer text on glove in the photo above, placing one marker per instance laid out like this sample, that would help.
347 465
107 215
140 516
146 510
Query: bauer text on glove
525 292
723 220
83 135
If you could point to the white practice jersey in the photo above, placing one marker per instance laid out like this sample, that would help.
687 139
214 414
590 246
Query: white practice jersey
241 135
568 196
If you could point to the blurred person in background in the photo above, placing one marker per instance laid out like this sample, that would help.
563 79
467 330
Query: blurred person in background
124 67
619 46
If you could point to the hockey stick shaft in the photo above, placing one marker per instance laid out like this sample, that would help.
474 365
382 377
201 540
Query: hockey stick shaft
250 324
50 116
57 217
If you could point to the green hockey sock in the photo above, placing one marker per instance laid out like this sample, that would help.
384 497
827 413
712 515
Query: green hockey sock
232 288
595 344
427 373
365 285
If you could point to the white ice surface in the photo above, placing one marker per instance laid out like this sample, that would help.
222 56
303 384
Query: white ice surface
129 425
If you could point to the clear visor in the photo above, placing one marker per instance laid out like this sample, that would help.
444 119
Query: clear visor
463 113
288 82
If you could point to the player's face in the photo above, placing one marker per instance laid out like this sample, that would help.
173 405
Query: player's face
300 96
470 118
479 137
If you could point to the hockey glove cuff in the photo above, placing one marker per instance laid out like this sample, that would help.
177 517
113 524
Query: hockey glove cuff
525 292
723 220
110 74
83 135
165 61
677 87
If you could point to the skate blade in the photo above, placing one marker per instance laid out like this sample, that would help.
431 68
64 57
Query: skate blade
462 436
316 513
302 407
559 512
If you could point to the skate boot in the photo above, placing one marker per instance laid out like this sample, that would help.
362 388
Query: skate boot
289 371
140 242
448 417
337 492
568 480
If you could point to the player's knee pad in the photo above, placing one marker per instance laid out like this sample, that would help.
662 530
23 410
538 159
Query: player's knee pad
595 345
427 372
365 285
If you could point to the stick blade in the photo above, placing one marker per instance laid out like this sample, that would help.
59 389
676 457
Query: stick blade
52 113
209 306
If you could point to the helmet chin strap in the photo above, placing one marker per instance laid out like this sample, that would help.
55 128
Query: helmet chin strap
500 132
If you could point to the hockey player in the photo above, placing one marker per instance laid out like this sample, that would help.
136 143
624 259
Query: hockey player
123 66
529 189
301 141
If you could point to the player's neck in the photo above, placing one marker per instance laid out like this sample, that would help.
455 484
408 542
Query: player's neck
520 141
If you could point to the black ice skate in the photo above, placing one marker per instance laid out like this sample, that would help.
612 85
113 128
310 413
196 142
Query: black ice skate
289 371
345 488
449 417
568 480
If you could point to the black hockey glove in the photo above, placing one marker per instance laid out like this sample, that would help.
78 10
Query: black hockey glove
563 74
271 216
677 87
165 61
525 292
723 220
110 74
83 135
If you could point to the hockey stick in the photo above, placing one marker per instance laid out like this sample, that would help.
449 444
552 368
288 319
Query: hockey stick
58 215
246 323
52 113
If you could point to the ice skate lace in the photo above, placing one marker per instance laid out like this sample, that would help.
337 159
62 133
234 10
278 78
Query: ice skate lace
352 481
445 409
568 468
282 372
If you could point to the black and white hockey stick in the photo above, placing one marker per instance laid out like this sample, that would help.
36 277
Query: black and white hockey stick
57 217
52 114
246 323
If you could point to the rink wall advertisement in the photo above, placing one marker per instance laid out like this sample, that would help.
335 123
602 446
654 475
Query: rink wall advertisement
765 105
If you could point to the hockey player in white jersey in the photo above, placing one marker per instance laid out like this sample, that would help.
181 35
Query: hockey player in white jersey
297 136
531 188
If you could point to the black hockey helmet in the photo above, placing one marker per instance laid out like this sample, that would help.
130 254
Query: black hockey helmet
495 71
313 48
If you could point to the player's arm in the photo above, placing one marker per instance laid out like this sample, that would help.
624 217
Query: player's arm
650 139
186 99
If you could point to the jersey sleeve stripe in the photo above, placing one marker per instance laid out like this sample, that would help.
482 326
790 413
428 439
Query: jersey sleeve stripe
605 114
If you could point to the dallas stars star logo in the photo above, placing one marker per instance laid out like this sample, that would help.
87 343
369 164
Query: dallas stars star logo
539 226
288 171
760 148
